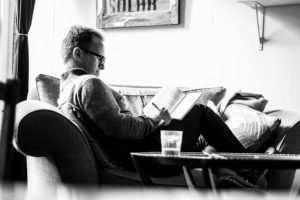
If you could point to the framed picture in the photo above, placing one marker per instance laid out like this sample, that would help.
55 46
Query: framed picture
132 13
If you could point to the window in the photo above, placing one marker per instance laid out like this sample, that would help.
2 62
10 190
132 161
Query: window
6 38
6 41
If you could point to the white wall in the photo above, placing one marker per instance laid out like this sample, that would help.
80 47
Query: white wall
215 45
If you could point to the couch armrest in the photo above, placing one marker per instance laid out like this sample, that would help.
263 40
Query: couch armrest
286 139
289 127
41 131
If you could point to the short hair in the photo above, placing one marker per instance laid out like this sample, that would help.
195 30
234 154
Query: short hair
77 36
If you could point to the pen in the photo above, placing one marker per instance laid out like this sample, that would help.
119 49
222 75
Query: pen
156 106
161 121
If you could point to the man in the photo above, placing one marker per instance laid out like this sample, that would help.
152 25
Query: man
112 130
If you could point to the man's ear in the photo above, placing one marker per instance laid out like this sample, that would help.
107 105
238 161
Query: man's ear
77 53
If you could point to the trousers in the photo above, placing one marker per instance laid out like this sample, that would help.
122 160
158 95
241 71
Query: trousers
201 120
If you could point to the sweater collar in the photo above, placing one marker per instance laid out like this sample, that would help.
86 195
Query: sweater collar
70 75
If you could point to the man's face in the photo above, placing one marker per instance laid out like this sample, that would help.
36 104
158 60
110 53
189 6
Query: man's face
92 57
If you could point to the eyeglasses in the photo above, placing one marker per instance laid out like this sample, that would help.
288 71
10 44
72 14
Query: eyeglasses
99 57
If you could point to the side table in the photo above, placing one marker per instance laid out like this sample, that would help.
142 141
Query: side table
190 160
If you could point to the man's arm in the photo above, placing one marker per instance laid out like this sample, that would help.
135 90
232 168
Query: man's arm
121 102
96 99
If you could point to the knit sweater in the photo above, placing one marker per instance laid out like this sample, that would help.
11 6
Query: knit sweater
94 106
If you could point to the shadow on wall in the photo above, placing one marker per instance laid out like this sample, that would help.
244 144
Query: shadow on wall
289 16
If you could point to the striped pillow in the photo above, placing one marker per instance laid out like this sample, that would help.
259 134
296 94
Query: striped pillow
251 127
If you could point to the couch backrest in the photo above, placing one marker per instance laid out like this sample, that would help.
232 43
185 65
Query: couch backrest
136 97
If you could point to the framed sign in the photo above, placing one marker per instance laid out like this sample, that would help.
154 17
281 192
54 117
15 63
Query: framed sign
132 13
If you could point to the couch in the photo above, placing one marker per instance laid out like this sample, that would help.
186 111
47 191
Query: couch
58 151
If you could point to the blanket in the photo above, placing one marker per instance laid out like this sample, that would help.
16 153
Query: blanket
253 100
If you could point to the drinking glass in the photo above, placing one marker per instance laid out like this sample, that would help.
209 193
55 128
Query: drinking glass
171 142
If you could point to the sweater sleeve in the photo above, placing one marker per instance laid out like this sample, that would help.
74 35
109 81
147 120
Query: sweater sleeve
97 101
121 102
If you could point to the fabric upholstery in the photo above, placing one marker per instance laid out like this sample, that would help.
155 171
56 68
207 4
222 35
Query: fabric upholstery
289 121
286 139
42 173
135 97
251 127
47 88
253 100
42 131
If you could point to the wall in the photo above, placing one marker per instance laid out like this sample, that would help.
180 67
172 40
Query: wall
215 45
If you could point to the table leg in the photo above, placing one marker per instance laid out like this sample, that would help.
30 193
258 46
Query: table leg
189 179
207 175
209 178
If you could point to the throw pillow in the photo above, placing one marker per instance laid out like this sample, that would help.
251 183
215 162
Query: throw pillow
251 127
47 88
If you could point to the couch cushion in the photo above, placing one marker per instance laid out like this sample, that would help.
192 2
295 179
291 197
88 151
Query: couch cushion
47 88
136 97
251 127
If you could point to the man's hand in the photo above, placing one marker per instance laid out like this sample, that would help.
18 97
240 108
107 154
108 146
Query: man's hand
164 116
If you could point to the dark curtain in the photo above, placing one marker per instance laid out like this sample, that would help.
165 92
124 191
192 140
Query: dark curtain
23 22
23 18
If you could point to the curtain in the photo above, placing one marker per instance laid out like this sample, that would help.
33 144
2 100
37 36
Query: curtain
24 15
23 18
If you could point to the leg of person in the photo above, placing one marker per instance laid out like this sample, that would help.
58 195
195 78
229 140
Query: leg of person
202 120
217 133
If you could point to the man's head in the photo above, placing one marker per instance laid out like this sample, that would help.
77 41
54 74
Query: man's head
83 48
